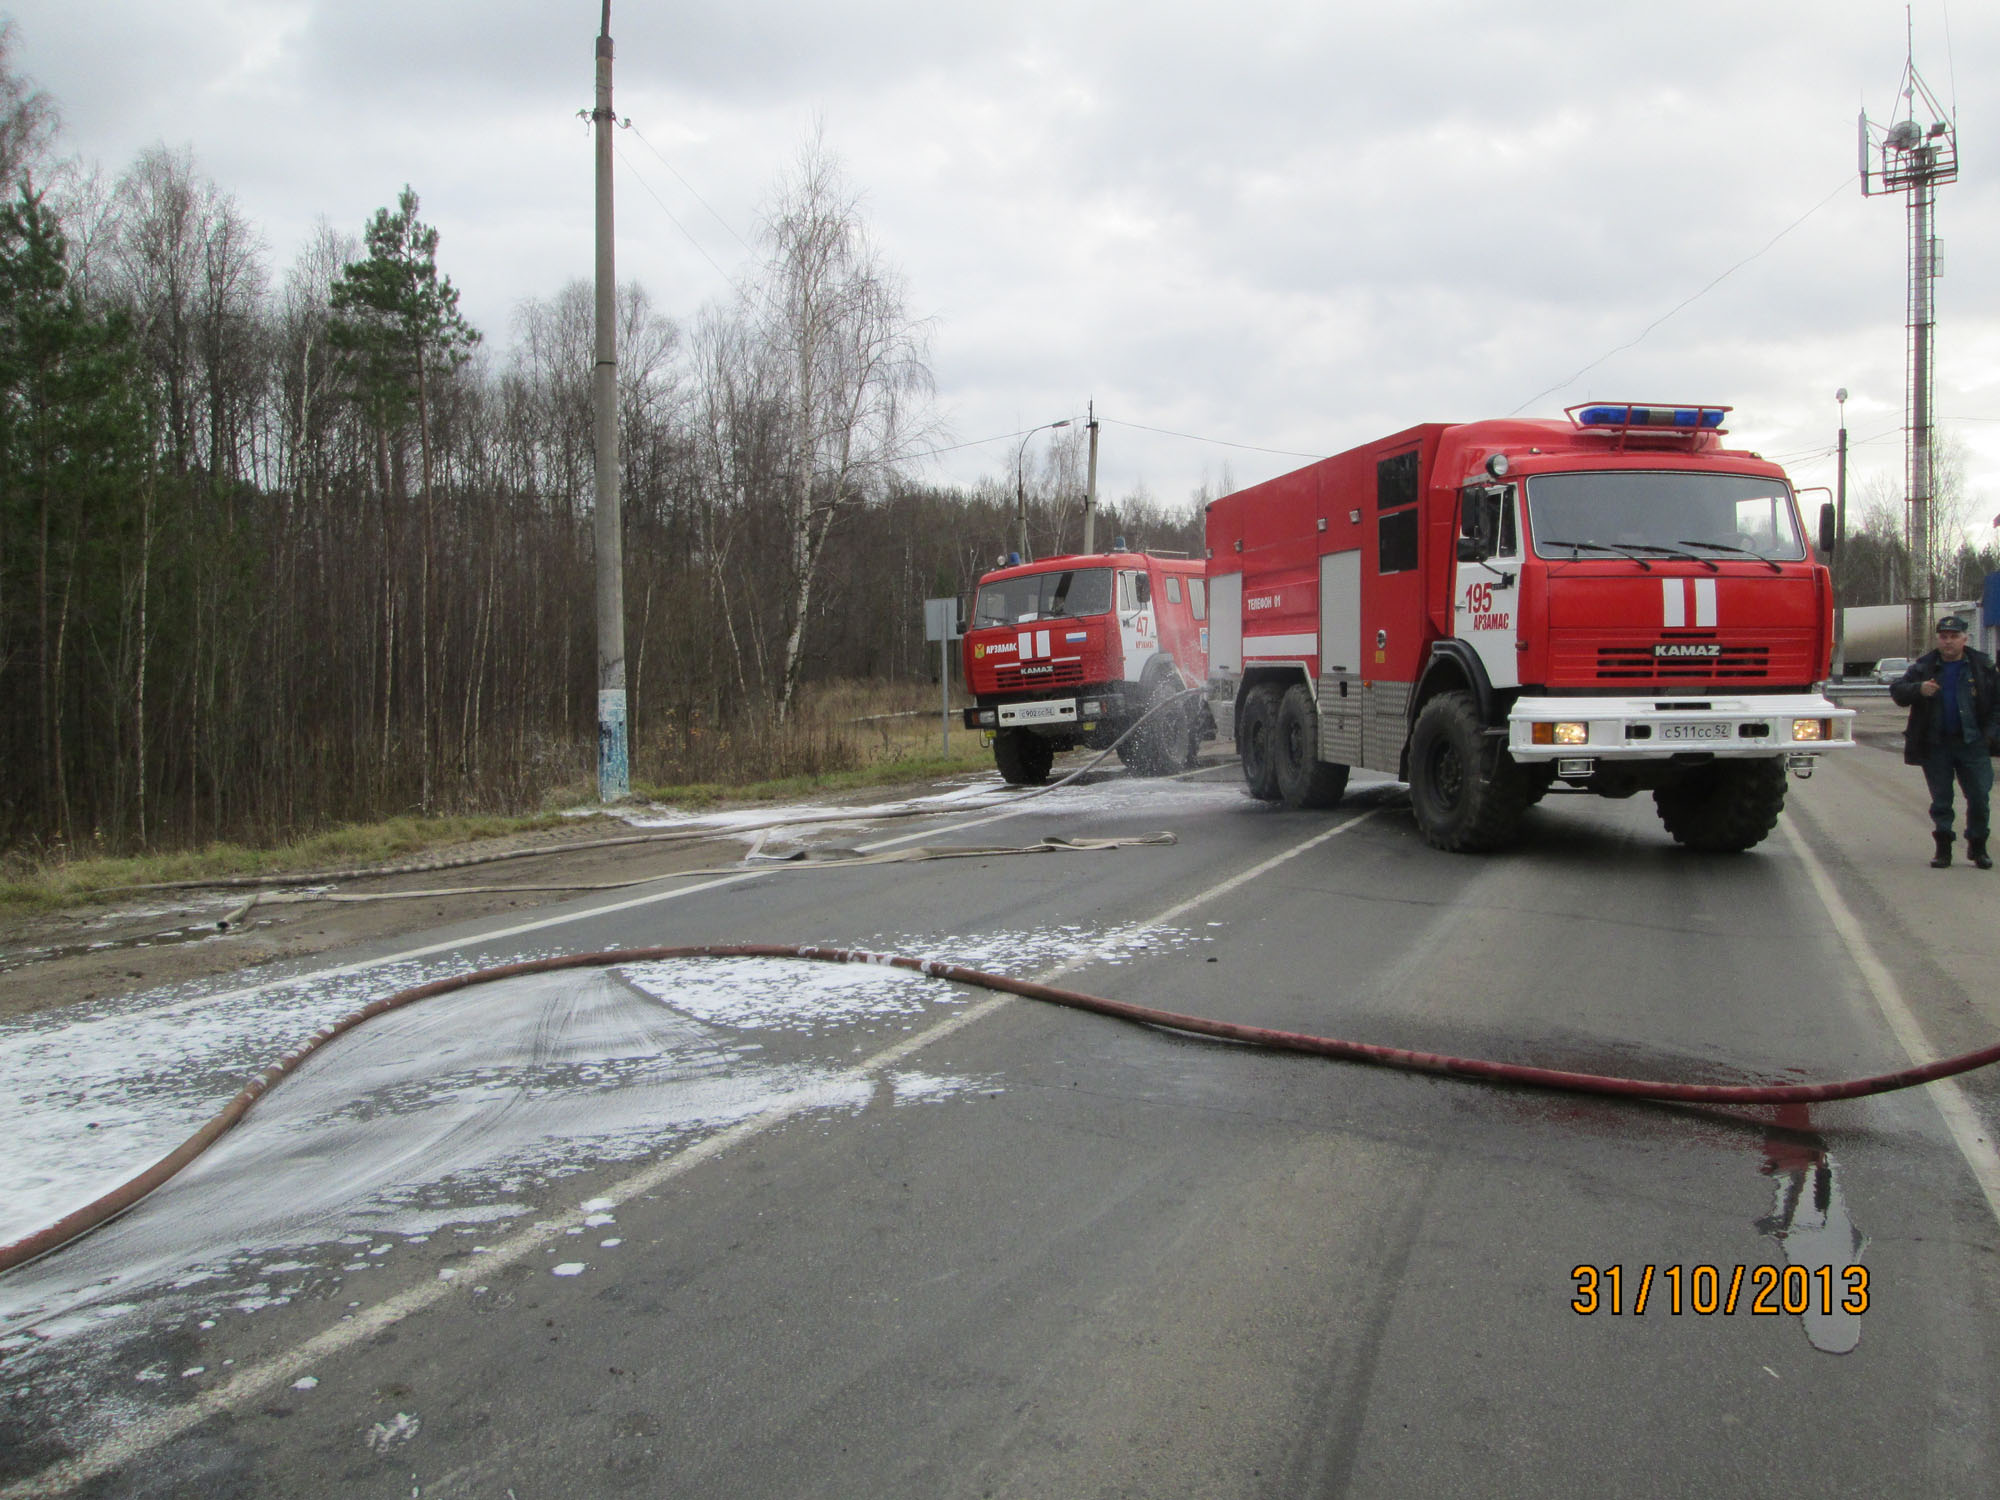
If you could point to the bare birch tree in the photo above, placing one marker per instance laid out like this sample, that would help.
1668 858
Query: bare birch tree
28 118
854 366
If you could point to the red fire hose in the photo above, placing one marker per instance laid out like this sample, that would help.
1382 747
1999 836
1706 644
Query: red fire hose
116 1202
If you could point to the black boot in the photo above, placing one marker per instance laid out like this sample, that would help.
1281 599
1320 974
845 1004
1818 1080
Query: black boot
1975 850
1942 859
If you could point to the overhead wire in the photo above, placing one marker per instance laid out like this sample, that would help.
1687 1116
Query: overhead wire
1218 442
691 188
1696 297
673 219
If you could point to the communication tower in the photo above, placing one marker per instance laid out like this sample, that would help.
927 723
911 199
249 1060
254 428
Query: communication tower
1915 156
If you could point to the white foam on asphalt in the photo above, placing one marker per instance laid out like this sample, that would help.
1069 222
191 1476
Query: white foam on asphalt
441 1116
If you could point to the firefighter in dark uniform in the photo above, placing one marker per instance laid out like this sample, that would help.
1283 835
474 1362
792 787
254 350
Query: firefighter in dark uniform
1953 695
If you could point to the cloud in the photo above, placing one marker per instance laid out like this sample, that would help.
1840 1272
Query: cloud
1295 225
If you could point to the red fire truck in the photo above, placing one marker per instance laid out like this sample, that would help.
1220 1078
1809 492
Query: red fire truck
1616 602
1074 650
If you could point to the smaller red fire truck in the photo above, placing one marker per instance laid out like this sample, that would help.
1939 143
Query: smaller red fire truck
1074 650
1615 602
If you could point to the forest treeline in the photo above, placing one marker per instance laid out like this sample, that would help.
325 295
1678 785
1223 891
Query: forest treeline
284 549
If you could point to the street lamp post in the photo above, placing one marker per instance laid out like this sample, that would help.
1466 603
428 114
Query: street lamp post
1021 487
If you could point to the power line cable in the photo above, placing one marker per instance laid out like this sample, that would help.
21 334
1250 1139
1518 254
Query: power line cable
997 437
699 249
692 189
1560 384
1219 442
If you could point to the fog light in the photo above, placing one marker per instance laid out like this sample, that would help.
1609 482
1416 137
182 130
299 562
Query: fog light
1812 729
1576 770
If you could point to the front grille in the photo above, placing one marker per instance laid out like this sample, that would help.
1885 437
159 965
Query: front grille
1638 663
1010 678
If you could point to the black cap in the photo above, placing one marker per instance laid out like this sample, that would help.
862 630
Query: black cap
1953 622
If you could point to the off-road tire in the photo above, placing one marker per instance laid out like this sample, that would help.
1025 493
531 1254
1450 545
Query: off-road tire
1257 740
1304 780
1023 758
1726 807
1460 807
1165 744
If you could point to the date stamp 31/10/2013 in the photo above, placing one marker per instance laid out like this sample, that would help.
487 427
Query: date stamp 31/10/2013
1704 1290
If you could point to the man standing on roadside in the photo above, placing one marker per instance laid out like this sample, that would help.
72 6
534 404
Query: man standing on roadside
1953 695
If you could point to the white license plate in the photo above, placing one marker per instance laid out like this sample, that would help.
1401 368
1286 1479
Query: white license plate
1049 711
1697 731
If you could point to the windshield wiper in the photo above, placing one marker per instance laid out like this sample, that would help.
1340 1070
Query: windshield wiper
1622 551
1768 562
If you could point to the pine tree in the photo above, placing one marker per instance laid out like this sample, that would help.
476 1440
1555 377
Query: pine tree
75 533
398 321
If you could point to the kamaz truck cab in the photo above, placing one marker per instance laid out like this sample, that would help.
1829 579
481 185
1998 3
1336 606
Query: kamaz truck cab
1074 650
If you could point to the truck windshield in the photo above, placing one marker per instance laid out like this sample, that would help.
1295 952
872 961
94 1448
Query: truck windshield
1043 596
1711 516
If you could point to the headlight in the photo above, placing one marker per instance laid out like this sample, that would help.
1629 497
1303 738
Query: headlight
1812 729
1564 732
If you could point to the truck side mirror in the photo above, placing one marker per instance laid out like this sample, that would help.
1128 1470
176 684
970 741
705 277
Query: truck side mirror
1470 549
1827 536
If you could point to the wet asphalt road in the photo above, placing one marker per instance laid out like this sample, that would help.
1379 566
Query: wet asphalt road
1112 1262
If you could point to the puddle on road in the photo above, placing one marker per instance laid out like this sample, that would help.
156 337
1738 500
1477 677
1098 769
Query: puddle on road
200 932
1810 1221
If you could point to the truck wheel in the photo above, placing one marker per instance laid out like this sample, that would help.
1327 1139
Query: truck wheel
1726 807
1165 745
1458 805
1257 740
1304 780
1024 759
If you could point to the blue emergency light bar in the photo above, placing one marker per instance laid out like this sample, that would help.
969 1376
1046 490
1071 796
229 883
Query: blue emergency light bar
1625 418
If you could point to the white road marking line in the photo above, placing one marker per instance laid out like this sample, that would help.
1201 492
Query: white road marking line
1974 1142
140 1436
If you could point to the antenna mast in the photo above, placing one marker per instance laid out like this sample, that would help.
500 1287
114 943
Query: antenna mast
1915 158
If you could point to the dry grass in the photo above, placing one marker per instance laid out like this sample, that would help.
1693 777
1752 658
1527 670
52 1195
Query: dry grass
842 736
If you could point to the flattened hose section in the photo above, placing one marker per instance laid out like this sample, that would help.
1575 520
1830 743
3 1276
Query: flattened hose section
120 1199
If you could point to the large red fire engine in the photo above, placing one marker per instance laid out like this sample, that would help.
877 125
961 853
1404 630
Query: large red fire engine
1616 602
1075 650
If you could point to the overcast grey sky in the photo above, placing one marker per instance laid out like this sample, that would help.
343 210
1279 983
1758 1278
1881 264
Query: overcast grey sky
1290 226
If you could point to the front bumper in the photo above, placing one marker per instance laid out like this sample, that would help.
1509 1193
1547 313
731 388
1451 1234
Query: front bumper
1064 714
1726 727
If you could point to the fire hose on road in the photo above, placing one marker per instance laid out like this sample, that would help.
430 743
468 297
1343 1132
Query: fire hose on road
123 1198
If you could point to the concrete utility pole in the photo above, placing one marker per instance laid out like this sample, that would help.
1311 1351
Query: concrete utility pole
614 767
1090 491
1840 543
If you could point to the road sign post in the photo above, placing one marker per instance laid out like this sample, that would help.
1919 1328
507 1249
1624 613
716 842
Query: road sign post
941 625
